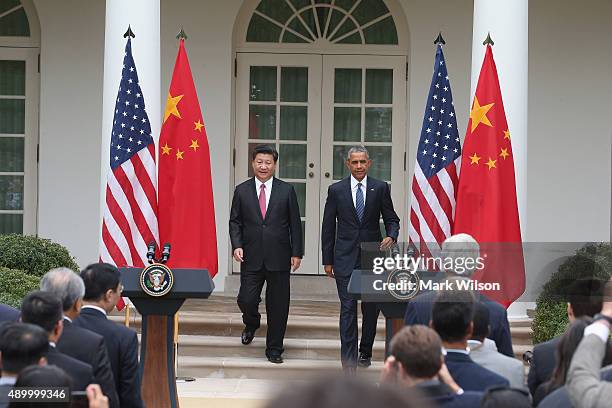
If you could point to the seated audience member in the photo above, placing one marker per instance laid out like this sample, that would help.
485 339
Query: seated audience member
584 385
43 377
460 247
452 315
509 368
21 345
346 392
45 310
102 291
416 360
8 313
565 351
584 298
505 397
82 344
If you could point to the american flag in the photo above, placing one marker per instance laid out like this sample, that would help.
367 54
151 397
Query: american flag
434 185
130 214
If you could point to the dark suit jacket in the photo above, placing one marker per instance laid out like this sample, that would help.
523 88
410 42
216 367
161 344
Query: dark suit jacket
559 398
89 347
269 242
4 390
79 372
122 346
342 233
418 311
543 363
8 313
469 375
444 397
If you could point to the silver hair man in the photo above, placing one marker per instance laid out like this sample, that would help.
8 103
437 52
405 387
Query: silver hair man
357 149
65 284
458 248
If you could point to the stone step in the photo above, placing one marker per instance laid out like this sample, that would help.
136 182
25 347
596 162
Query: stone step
521 335
261 368
231 347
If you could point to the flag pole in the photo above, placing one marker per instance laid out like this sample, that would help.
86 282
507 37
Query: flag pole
488 40
127 315
439 40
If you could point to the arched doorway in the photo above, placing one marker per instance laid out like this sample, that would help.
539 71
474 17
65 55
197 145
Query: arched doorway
313 78
19 100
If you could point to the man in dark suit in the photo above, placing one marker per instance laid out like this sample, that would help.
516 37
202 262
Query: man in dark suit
452 316
44 309
102 291
584 298
8 313
352 214
418 310
266 234
21 345
416 360
82 344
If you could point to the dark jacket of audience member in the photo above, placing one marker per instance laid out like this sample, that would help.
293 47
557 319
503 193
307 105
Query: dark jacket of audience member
560 398
8 313
43 377
452 315
44 309
584 298
505 397
102 291
82 344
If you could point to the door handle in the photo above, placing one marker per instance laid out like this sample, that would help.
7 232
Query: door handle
311 174
327 174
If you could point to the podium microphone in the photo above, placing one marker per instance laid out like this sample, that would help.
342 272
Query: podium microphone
151 252
165 253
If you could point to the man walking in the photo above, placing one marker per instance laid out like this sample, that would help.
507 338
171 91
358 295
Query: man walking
352 212
266 234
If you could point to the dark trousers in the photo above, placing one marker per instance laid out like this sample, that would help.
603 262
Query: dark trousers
277 304
348 324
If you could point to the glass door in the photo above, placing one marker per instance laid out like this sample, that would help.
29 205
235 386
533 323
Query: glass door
278 102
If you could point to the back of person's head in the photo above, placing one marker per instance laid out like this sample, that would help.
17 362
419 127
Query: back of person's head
338 392
456 250
21 345
65 284
481 321
585 296
505 397
565 351
99 278
43 377
419 350
452 314
41 308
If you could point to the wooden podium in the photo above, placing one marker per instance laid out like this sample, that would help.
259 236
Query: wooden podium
158 378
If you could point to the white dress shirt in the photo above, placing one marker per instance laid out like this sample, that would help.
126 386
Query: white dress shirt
364 188
268 189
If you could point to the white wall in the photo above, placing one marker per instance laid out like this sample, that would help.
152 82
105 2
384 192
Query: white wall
72 60
209 25
570 111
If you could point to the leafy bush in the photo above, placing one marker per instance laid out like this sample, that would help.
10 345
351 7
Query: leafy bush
591 261
33 255
14 285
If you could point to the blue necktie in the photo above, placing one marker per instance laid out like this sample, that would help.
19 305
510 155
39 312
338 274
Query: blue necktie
359 204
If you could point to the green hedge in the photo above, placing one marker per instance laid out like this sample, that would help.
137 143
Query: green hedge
14 285
550 317
33 255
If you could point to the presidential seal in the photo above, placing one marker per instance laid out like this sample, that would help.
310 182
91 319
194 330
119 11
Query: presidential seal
156 280
402 284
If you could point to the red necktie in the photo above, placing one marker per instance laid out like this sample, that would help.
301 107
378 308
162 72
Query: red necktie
262 200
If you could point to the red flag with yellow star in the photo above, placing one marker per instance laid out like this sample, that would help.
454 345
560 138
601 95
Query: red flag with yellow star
186 205
486 197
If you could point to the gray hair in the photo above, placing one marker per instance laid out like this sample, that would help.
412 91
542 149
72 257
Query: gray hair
357 149
458 248
65 284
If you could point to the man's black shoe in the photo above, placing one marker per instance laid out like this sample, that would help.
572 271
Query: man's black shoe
247 336
275 359
364 360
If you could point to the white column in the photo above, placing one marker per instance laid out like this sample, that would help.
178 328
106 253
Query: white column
507 21
144 18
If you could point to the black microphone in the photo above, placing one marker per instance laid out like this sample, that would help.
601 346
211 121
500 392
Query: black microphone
151 252
165 253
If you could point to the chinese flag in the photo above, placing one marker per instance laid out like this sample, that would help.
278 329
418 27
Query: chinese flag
186 205
486 198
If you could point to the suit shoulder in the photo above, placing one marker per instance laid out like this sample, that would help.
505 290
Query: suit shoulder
243 185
